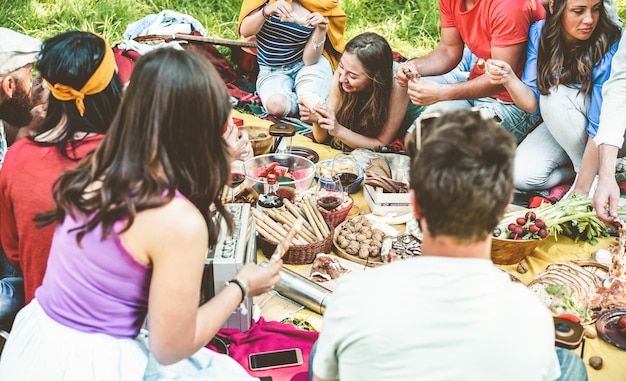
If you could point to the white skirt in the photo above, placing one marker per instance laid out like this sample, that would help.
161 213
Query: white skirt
39 348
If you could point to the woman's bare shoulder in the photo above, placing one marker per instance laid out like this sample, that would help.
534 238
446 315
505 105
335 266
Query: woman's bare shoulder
177 222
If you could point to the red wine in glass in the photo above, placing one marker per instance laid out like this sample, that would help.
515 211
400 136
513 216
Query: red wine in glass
329 202
236 179
347 179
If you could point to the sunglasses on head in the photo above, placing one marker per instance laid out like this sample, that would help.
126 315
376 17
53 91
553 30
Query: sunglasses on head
425 124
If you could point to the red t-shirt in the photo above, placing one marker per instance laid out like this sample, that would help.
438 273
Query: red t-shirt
26 179
490 23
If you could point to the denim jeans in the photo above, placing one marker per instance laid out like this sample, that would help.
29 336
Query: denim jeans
515 120
289 80
11 292
572 366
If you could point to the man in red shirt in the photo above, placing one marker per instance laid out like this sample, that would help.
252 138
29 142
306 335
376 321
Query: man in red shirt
17 55
488 29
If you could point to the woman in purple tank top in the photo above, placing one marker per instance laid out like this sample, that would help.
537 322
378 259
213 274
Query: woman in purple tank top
133 224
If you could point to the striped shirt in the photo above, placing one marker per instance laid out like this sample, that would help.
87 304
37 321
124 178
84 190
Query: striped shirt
281 43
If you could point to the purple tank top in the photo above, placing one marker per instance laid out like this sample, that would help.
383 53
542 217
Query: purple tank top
95 287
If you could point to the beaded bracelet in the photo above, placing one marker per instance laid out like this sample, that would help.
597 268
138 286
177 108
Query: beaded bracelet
242 286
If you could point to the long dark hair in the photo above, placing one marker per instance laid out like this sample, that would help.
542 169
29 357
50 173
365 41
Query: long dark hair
572 65
366 112
71 58
166 136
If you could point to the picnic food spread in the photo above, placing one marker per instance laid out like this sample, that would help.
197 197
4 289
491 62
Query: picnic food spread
566 286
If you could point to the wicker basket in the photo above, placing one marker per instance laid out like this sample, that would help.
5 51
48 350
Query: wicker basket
512 251
260 145
335 217
298 254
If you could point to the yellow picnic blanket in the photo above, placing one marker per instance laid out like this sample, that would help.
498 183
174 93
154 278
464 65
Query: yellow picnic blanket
550 250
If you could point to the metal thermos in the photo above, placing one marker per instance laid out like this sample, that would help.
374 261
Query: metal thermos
302 290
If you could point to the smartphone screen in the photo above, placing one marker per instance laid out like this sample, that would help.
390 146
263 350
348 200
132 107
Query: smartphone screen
275 359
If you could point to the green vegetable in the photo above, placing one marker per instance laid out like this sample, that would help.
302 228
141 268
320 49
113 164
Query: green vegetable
566 301
554 289
301 324
573 217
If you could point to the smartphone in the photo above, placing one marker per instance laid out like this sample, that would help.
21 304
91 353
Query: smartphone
275 359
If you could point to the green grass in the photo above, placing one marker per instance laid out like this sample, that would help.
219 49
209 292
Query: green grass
410 26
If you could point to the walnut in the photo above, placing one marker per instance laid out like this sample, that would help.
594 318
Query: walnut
361 237
364 253
343 243
374 251
352 250
595 362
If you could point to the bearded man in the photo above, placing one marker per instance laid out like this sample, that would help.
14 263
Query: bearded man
17 118
18 52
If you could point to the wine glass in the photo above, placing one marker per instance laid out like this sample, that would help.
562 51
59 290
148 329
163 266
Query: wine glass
329 193
346 169
237 177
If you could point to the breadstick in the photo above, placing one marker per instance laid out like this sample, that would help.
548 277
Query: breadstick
294 209
300 239
269 222
309 216
286 220
319 222
290 220
318 216
267 232
295 212
314 221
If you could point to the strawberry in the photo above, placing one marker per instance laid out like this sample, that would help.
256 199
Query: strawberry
622 322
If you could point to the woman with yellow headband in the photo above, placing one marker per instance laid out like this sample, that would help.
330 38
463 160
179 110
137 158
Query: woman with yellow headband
133 227
85 91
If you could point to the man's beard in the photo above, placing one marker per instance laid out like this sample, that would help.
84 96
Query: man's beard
16 111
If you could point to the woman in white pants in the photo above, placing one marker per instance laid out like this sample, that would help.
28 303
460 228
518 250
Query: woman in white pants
568 60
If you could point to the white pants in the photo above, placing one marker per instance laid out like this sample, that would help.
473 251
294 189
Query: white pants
552 153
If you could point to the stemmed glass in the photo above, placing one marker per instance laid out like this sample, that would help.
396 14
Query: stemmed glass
237 177
329 193
346 169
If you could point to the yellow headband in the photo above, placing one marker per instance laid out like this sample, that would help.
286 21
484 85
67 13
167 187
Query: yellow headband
99 80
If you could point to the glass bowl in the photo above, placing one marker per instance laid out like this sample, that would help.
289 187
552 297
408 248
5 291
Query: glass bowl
295 173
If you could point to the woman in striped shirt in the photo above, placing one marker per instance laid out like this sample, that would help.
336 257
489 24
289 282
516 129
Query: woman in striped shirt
291 38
